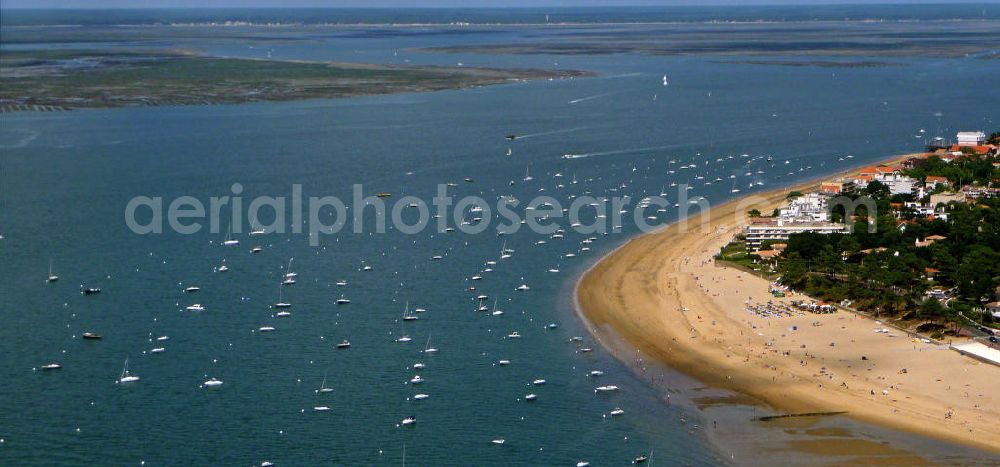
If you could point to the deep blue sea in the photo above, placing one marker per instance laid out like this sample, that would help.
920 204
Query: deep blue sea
66 178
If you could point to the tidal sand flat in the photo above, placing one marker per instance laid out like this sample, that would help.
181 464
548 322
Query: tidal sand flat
664 293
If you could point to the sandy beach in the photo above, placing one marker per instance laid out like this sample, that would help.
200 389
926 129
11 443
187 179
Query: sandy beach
663 293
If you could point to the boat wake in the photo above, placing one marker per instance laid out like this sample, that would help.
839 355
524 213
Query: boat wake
619 151
598 96
553 132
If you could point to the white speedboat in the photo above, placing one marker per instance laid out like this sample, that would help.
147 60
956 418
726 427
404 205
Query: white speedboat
420 397
343 300
192 288
266 329
530 397
321 408
538 382
416 379
408 421
610 388
616 412
404 339
158 350
195 307
596 373
51 366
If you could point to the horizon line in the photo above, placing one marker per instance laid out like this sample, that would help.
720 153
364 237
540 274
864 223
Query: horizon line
729 4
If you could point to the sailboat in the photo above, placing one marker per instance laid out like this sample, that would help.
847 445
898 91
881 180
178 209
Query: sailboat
504 252
509 151
406 314
734 190
665 82
322 387
51 277
126 377
289 275
281 303
428 348
527 175
496 312
229 241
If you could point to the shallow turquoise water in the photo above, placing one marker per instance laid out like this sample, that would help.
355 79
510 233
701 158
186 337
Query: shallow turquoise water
66 178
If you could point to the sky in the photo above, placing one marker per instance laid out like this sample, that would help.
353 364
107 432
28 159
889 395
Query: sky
421 3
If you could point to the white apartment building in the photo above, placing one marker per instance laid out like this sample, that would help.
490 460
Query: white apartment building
898 183
971 138
809 207
778 230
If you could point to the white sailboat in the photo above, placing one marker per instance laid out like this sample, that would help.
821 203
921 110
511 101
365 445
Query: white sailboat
212 383
229 241
126 377
527 175
51 277
504 252
406 314
428 348
281 303
322 387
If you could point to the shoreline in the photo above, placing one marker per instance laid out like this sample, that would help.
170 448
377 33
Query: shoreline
667 300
